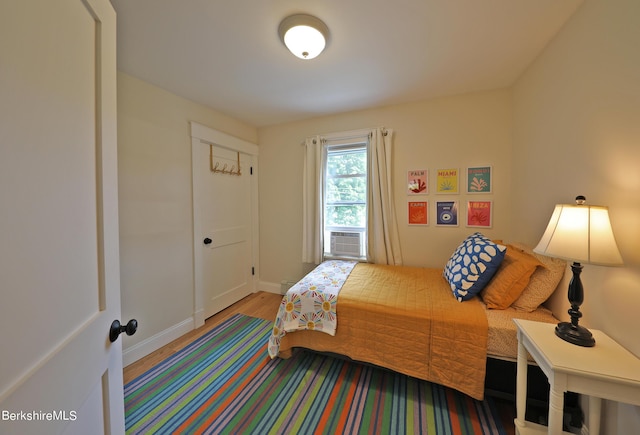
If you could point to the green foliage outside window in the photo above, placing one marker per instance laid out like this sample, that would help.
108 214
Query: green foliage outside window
346 188
347 163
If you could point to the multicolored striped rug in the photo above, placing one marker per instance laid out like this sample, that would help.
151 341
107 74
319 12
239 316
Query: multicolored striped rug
224 382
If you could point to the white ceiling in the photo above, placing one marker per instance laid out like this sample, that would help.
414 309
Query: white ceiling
227 55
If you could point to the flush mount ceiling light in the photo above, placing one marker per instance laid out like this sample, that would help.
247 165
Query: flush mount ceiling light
304 35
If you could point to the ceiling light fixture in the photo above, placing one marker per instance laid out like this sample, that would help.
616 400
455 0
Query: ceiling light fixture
304 35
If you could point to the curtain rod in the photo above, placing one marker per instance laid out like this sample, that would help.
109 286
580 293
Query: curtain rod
348 134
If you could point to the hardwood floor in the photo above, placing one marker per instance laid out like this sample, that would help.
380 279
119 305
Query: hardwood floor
262 305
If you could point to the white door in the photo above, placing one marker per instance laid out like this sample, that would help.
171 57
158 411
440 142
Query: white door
59 265
225 207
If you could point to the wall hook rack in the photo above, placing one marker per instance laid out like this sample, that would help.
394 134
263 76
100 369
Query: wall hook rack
224 168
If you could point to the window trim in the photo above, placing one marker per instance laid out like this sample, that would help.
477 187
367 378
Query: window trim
356 143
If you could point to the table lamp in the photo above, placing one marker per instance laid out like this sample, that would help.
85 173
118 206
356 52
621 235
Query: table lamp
580 233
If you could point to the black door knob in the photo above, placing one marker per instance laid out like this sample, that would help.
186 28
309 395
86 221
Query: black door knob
207 241
116 329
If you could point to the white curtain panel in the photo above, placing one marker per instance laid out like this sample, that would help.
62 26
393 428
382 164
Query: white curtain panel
383 244
313 194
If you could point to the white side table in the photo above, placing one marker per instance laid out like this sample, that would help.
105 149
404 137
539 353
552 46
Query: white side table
605 371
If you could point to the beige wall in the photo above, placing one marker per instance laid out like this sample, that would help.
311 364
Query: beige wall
460 131
154 158
577 131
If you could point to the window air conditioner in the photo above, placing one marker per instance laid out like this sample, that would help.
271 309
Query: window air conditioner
345 243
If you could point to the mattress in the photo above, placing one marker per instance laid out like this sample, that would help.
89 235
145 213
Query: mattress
502 340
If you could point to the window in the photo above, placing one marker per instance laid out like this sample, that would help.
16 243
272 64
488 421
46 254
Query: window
345 200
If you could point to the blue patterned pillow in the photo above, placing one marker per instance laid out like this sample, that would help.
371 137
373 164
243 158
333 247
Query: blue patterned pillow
473 265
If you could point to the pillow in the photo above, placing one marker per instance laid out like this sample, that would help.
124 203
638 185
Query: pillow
510 279
472 265
543 281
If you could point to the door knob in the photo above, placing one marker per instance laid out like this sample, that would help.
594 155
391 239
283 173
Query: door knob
207 241
116 329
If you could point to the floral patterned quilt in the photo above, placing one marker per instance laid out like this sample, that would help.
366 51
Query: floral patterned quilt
311 302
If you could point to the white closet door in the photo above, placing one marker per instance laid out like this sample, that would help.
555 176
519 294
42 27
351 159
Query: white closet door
225 220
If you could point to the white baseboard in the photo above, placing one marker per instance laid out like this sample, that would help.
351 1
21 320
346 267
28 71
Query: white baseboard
270 287
145 347
198 318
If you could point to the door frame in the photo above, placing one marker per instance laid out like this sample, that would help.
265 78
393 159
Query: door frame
202 135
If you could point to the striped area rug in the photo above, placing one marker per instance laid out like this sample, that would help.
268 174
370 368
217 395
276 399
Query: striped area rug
225 382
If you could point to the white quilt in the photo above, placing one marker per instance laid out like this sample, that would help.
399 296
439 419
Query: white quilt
311 302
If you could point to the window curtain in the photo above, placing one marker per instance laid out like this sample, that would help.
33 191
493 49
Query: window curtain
313 197
383 243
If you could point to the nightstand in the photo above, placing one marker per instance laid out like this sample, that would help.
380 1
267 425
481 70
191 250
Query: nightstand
605 371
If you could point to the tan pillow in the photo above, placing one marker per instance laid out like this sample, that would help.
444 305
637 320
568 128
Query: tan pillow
543 282
510 280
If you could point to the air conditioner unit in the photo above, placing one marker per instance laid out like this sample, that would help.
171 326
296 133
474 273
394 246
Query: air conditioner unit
343 243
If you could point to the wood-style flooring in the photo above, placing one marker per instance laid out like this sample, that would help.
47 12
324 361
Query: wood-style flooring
262 305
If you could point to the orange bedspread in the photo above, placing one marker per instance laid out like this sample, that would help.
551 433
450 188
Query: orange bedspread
405 319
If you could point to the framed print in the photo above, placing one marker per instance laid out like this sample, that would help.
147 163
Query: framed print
447 181
480 214
479 179
418 213
447 213
418 182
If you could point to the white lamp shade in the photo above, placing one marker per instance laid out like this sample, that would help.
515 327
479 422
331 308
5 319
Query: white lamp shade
580 233
304 35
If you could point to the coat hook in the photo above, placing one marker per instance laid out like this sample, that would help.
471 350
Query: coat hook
224 168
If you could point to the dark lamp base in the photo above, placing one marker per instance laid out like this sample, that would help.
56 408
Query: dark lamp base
575 334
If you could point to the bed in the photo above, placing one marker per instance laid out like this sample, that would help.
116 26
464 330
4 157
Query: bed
417 321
